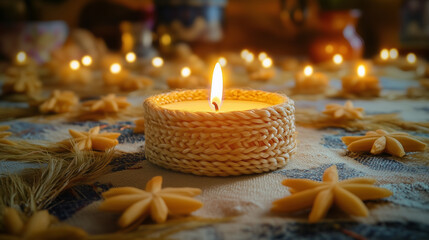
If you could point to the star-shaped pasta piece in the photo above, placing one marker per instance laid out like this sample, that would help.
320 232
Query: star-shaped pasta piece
137 204
395 143
4 135
109 103
38 226
133 83
59 102
348 111
347 195
93 139
22 82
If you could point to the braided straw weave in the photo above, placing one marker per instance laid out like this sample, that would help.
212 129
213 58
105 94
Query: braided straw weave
220 144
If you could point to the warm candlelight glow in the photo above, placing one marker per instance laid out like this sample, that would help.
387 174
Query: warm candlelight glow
361 71
217 88
411 58
75 65
130 57
338 59
329 48
384 54
157 62
222 61
165 39
267 62
393 53
249 57
115 68
244 53
262 56
186 72
86 60
21 57
308 70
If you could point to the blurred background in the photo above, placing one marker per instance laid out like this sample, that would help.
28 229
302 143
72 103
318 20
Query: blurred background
315 28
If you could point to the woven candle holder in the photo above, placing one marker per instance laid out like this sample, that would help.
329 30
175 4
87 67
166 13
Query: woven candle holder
220 144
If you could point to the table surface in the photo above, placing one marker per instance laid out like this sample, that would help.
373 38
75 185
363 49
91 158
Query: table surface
244 202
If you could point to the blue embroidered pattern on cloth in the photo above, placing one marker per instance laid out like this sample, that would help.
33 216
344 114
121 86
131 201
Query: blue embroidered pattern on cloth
249 197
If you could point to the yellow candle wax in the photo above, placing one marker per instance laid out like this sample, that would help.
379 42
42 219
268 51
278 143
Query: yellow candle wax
204 106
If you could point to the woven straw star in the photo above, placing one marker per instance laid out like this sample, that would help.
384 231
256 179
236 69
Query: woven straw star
4 135
396 143
59 102
38 226
109 103
348 111
93 139
347 195
137 204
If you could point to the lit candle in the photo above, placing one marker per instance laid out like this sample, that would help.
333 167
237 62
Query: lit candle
185 80
337 59
216 103
74 73
262 56
157 62
361 84
309 82
86 60
186 72
115 68
244 53
393 53
21 58
115 75
410 62
130 57
210 128
383 57
74 65
384 54
156 70
266 72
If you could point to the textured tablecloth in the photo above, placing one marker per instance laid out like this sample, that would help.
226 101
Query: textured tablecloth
248 198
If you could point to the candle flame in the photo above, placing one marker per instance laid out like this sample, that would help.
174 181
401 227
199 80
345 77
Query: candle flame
217 88
361 71
393 53
21 57
267 62
308 70
262 56
130 57
186 72
157 62
222 61
338 59
249 57
384 54
244 53
411 58
86 60
115 68
74 65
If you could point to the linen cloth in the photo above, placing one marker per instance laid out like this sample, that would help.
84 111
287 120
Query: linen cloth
248 198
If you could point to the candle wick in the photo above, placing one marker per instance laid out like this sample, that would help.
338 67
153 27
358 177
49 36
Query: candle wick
216 106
